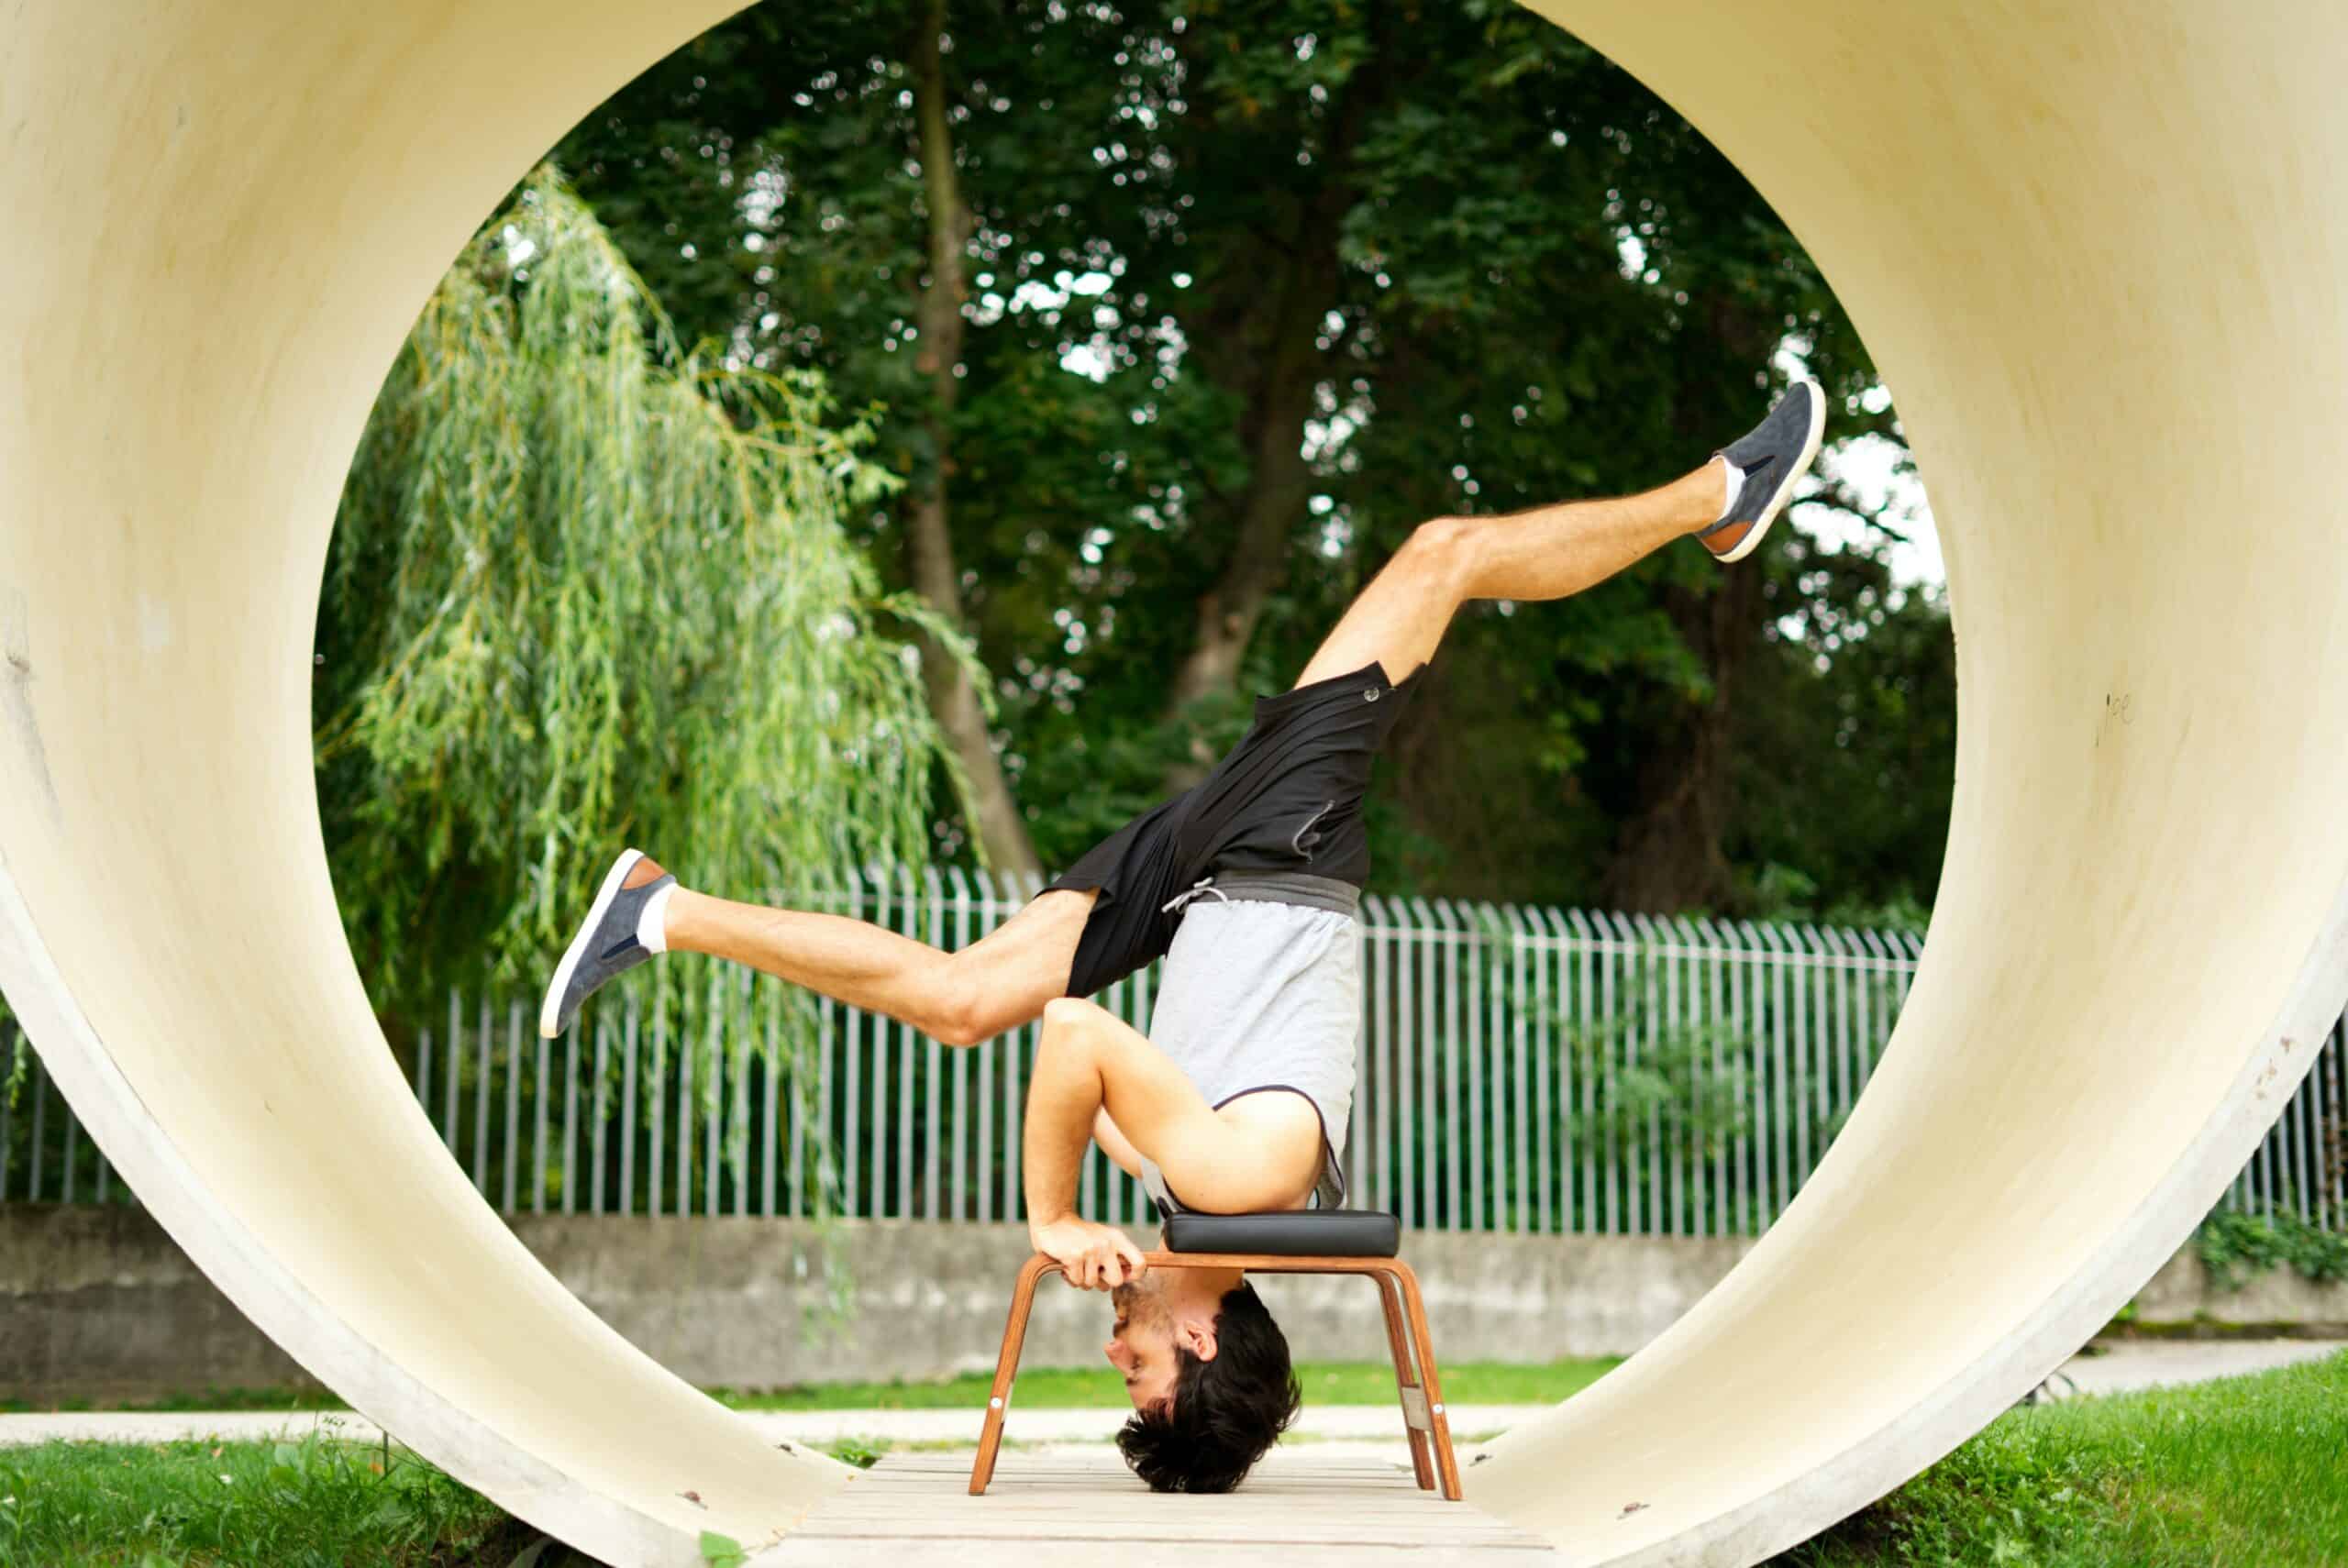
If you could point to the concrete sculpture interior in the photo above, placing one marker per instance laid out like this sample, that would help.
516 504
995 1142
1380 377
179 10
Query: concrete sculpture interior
2097 251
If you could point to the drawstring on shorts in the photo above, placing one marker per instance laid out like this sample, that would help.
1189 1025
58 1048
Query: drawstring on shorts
1191 894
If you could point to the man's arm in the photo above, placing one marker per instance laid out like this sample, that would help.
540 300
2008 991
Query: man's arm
1064 1098
1089 1060
1115 1144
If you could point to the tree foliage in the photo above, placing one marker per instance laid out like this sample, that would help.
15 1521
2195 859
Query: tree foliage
589 590
1257 285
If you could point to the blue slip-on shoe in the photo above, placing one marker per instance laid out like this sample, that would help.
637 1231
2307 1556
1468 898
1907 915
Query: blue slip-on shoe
607 945
1772 457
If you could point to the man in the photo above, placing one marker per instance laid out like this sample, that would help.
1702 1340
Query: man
1236 1100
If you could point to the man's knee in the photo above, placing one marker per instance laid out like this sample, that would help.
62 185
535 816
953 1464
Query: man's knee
1438 548
1068 1016
970 1005
963 1011
958 1022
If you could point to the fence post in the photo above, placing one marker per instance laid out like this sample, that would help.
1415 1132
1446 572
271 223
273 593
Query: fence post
485 1035
991 912
71 1147
513 1103
38 1085
1520 1086
1016 893
851 1031
1877 967
737 1131
1553 1080
1438 1053
1583 1060
957 1194
599 1132
571 1118
452 1069
1487 1163
655 1093
629 1026
8 1037
906 917
1416 1071
1376 1172
1772 1164
766 999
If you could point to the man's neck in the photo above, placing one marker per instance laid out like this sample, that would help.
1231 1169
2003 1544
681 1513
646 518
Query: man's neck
1212 1284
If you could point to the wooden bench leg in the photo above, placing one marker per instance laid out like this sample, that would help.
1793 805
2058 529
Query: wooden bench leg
1414 1418
1438 1423
1006 1368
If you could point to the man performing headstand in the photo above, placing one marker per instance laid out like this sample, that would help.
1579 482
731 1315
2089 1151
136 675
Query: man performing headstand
1237 1099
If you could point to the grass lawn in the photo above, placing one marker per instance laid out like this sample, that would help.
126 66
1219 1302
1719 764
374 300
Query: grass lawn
2245 1473
2241 1472
316 1502
1085 1388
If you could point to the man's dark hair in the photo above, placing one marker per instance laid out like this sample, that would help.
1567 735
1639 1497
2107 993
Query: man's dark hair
1227 1411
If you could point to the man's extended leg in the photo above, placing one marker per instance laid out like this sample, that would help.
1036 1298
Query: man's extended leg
997 983
1551 552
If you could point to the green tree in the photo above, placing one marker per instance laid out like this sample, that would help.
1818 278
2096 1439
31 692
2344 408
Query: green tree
587 589
1255 286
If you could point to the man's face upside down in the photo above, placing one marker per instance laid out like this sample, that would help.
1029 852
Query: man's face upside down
1144 1343
1209 1374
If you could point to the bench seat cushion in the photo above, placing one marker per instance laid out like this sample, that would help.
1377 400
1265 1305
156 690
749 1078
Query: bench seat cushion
1302 1232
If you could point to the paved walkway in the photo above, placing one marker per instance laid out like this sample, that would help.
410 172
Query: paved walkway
1302 1508
1349 1428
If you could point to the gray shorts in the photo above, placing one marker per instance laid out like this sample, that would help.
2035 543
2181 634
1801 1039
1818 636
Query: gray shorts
1261 995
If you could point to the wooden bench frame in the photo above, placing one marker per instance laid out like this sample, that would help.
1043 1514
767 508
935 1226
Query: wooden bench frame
1406 1335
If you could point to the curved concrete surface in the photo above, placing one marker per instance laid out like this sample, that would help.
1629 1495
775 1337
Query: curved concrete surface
2096 248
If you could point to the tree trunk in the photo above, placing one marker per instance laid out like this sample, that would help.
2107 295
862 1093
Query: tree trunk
1279 482
1668 857
929 543
1267 341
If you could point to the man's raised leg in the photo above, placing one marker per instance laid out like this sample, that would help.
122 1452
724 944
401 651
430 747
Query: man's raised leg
1551 552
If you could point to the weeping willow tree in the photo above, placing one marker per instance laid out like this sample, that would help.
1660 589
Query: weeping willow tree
587 589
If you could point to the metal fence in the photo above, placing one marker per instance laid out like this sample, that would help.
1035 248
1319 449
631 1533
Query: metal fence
1521 1069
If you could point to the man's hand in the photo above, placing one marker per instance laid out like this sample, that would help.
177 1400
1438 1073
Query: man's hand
1092 1256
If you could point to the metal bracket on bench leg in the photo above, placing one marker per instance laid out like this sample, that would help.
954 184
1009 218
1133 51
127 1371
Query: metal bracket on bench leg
1415 1409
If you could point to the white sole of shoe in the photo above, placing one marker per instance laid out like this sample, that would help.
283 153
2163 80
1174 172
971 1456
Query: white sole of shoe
1785 490
550 1009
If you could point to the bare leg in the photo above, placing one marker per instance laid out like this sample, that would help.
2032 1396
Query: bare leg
1548 552
1004 979
997 983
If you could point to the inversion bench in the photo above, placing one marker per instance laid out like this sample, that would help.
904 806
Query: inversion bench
1336 1241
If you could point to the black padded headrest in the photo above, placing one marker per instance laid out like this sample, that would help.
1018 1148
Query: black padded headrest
1297 1234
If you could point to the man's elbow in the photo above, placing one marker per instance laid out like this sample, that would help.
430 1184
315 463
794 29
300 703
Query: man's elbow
1072 1034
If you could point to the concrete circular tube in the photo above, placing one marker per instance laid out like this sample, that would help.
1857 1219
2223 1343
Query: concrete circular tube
2096 248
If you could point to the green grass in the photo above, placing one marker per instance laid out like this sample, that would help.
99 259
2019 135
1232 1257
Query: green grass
313 1503
316 1502
1085 1388
2243 1473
